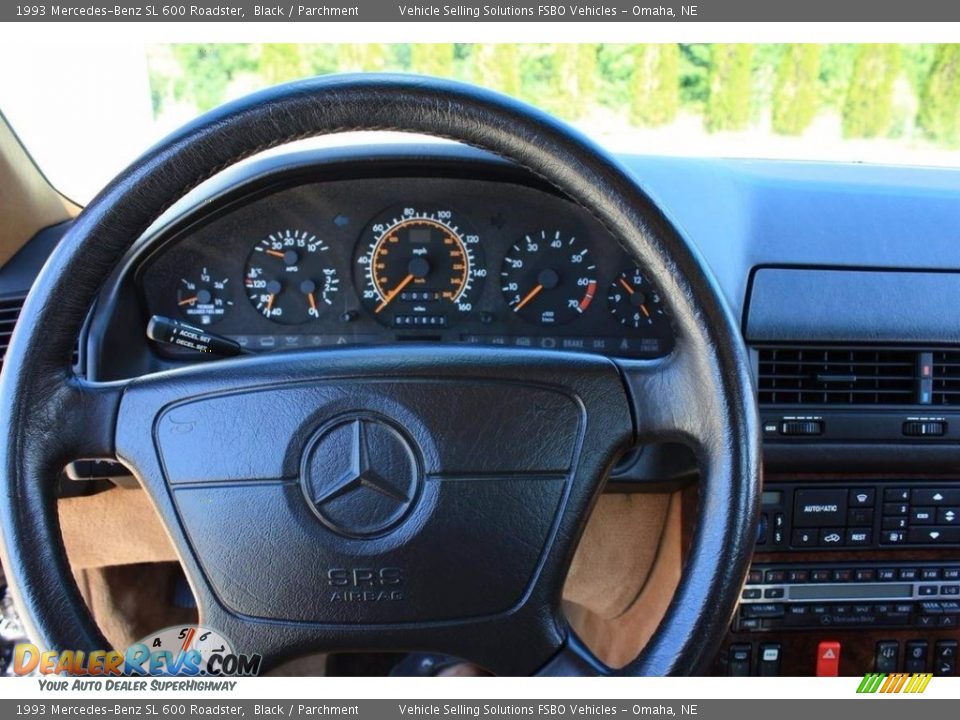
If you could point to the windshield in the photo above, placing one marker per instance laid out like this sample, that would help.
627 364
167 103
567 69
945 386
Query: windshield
85 112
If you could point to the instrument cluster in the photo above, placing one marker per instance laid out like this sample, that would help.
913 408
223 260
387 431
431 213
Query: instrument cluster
455 260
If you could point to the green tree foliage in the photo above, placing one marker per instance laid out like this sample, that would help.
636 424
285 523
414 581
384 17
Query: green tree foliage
570 71
876 89
939 114
208 70
614 70
868 109
764 63
281 62
432 59
655 84
321 59
496 67
586 76
695 63
836 69
917 60
728 104
796 91
360 57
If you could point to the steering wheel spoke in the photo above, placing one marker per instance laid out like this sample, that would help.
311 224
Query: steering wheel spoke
573 658
90 413
65 420
672 399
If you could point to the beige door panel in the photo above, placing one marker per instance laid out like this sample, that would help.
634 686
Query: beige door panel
28 203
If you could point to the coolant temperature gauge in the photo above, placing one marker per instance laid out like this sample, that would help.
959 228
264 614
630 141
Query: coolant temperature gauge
202 299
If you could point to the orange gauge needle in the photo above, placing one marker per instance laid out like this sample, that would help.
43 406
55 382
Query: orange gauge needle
275 253
626 286
270 302
530 296
313 302
393 293
188 301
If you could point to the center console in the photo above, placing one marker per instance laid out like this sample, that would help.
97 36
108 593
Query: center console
860 514
849 577
817 596
856 567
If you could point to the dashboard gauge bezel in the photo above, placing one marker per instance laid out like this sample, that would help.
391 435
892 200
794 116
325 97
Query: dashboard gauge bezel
205 319
560 292
653 309
378 292
501 199
281 243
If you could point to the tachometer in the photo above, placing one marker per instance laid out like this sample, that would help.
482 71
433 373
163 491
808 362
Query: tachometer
549 278
288 279
419 269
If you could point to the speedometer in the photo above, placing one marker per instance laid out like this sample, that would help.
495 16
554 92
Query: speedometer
418 268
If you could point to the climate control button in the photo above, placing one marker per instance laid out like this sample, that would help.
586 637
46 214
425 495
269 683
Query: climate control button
819 508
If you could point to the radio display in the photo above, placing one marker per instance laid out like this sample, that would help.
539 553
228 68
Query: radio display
882 591
772 497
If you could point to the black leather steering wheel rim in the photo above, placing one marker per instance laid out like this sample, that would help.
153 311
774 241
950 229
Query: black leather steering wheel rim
49 417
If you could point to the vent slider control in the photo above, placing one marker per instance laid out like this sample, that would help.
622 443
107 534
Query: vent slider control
801 427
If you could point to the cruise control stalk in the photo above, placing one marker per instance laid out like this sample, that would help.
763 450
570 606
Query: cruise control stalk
173 332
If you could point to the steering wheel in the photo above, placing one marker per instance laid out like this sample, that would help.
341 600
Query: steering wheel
397 498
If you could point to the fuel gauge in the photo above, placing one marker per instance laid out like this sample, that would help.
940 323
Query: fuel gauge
202 299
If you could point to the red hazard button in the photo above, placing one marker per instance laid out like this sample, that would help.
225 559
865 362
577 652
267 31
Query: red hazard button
828 658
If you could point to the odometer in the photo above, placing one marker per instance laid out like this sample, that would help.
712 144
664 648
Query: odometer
418 269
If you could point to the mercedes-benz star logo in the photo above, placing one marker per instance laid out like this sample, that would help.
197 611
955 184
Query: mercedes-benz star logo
360 475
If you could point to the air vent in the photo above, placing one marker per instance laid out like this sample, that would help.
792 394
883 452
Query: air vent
946 377
839 376
9 312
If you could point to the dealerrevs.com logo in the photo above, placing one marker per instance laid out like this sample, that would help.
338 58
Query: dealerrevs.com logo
178 651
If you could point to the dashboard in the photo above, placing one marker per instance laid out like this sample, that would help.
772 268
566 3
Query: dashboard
406 258
841 275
